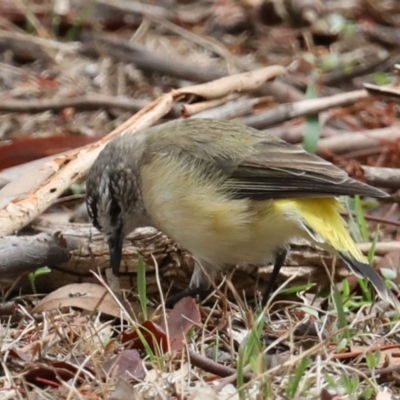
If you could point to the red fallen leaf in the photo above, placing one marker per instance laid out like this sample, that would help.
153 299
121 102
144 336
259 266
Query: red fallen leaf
180 319
126 365
152 334
48 374
20 151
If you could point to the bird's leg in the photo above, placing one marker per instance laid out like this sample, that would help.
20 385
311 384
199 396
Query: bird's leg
189 292
279 261
199 286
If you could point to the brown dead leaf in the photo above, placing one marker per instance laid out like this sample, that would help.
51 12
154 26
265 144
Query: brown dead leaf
180 319
88 296
127 365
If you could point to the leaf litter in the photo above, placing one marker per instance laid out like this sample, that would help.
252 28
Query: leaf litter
81 341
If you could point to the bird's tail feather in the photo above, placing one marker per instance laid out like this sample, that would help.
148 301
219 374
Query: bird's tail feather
365 271
321 221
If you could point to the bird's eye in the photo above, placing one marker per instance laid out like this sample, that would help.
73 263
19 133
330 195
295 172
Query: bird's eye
115 209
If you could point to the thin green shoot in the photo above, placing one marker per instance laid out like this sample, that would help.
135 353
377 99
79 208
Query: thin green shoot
355 231
338 302
83 16
313 128
295 379
381 78
371 252
35 274
360 215
350 383
142 287
332 382
342 345
155 357
366 290
251 349
367 393
373 359
216 346
351 302
297 289
77 188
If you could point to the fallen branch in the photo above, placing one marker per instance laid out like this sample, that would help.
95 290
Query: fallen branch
382 177
231 109
286 112
150 61
381 248
74 251
144 58
83 103
346 142
31 47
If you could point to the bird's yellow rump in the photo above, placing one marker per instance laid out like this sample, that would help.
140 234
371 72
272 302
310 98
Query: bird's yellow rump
323 224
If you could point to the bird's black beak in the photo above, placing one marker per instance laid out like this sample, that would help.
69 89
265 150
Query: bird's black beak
115 246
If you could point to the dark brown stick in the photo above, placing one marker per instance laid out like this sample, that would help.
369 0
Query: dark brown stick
84 103
208 365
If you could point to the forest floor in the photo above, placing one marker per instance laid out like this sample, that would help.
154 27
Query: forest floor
73 74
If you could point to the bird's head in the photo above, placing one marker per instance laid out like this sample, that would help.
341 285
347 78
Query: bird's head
114 201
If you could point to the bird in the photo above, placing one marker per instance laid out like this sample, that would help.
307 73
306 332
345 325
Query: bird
227 193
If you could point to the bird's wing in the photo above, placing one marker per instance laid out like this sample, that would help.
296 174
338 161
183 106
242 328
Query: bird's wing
254 164
280 170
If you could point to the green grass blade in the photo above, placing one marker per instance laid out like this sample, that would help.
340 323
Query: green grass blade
362 222
338 301
313 129
294 380
142 288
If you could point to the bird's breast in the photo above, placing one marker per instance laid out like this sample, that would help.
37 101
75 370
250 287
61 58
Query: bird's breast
195 210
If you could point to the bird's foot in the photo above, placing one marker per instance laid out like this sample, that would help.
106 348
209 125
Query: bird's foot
189 292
